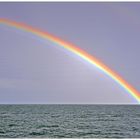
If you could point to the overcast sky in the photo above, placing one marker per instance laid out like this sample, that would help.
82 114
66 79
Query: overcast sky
33 70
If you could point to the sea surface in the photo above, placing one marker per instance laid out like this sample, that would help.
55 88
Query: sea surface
69 121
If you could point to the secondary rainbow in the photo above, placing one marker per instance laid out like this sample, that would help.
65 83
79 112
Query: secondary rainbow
77 51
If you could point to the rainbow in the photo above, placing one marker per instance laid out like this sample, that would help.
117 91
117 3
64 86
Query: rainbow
77 51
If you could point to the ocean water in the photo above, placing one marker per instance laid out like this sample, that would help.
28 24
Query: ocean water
69 121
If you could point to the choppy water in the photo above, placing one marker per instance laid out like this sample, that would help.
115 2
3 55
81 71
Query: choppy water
69 121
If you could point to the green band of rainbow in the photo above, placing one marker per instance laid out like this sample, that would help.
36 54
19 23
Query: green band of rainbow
77 51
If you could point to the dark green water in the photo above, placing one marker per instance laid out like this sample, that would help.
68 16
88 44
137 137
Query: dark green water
69 121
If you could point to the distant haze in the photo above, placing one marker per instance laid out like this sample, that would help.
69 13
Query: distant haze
33 70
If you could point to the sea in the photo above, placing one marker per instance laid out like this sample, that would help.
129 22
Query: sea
69 121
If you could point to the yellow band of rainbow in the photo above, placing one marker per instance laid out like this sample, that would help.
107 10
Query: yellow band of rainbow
77 51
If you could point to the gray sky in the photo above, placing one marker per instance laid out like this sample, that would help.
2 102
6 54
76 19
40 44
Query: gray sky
33 70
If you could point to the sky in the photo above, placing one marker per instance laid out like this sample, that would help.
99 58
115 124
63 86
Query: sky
36 71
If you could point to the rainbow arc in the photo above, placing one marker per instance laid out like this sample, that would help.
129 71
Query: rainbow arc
77 51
